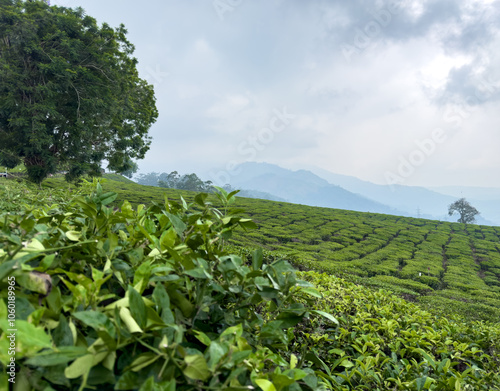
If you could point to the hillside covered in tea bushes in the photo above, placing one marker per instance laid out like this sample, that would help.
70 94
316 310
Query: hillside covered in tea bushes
119 288
451 268
445 266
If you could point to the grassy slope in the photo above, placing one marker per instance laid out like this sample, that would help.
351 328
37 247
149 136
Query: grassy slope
448 268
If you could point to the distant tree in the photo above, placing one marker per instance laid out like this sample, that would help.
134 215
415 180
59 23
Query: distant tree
466 211
170 181
149 179
191 182
70 93
175 181
9 160
185 182
130 167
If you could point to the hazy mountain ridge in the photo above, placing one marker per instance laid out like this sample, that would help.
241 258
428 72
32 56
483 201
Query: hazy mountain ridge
414 200
303 187
473 192
259 194
319 187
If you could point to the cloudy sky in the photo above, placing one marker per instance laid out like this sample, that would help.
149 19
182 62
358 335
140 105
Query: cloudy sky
388 91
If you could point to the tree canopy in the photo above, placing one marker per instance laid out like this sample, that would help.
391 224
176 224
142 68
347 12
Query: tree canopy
70 93
175 181
466 211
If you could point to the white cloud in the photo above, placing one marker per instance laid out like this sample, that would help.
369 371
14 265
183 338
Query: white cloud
228 106
225 78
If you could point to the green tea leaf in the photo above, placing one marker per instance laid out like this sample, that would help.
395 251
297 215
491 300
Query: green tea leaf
96 320
257 259
216 351
326 315
8 268
346 364
73 235
196 368
236 331
108 198
167 239
129 321
141 276
79 367
196 273
62 334
143 361
162 301
202 337
311 292
46 262
266 385
62 356
177 223
30 336
137 307
36 282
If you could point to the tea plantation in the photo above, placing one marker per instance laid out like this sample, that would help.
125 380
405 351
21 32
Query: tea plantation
443 266
118 288
449 268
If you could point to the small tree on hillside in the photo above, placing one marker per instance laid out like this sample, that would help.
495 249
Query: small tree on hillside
467 211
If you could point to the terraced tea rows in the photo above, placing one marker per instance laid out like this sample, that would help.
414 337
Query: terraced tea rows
434 262
155 298
448 268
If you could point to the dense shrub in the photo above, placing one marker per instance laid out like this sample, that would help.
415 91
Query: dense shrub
125 298
384 343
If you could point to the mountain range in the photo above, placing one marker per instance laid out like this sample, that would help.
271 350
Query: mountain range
319 187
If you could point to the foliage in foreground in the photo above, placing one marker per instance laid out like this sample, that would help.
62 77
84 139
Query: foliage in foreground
126 299
150 298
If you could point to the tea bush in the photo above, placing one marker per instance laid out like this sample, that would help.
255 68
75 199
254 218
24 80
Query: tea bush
384 343
147 298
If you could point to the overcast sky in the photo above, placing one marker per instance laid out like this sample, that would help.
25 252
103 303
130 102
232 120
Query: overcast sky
387 91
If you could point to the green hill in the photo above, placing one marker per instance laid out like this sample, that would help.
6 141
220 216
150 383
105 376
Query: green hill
444 266
126 297
447 268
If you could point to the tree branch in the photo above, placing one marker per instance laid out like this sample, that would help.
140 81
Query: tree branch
78 96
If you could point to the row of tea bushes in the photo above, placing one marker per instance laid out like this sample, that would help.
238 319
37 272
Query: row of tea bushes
383 342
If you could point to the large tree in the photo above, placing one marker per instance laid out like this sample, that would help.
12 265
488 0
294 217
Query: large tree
466 211
70 93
